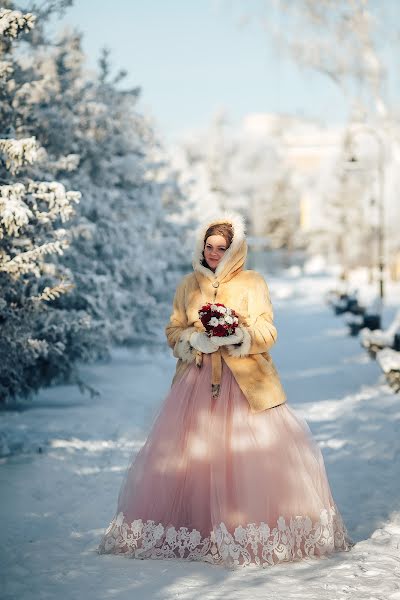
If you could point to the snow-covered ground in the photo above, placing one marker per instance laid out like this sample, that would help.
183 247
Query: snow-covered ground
64 456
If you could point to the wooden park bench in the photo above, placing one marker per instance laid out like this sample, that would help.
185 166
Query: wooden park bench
369 318
347 303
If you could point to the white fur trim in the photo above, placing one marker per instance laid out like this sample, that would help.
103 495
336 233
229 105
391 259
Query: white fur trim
243 348
239 229
183 349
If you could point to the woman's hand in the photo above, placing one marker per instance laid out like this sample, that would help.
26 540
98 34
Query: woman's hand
203 343
234 338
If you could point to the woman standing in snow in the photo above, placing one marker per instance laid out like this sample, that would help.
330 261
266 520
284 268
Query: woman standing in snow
229 473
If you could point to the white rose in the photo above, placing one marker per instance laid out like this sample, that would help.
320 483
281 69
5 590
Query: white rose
228 320
213 321
222 309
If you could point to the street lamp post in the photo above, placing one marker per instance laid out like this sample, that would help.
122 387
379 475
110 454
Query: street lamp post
381 202
381 226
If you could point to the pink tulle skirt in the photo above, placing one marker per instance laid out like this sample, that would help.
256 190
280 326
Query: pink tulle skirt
218 483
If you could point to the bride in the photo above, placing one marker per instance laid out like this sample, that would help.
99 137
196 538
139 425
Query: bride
229 473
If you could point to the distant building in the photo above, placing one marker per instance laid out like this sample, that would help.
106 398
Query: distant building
308 148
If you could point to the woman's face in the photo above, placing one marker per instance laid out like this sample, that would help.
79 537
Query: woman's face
214 249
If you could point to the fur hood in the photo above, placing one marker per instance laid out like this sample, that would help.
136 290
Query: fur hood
235 256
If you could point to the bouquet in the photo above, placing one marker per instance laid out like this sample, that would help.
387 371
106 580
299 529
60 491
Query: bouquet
218 319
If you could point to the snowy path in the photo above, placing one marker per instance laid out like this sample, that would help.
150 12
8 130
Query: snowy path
57 502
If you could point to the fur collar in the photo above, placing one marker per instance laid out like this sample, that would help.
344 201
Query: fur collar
239 229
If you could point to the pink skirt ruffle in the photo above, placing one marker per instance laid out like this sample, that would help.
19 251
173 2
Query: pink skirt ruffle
218 483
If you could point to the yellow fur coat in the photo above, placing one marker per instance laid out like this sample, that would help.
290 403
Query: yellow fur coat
247 293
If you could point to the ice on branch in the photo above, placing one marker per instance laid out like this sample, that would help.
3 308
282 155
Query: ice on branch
18 205
58 200
67 163
50 293
39 348
17 153
27 262
13 22
14 212
6 69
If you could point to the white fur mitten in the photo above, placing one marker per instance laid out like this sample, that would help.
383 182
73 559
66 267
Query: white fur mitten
203 343
234 338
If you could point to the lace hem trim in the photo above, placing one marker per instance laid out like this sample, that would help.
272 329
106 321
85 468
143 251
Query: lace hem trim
260 544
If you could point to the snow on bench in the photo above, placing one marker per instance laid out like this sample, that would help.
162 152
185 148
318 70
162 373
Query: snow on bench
356 319
381 338
389 360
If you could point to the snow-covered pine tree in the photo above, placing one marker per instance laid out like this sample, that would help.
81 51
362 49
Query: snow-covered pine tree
33 213
129 249
129 244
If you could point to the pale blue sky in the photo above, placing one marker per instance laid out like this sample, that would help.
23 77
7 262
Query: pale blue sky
191 58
